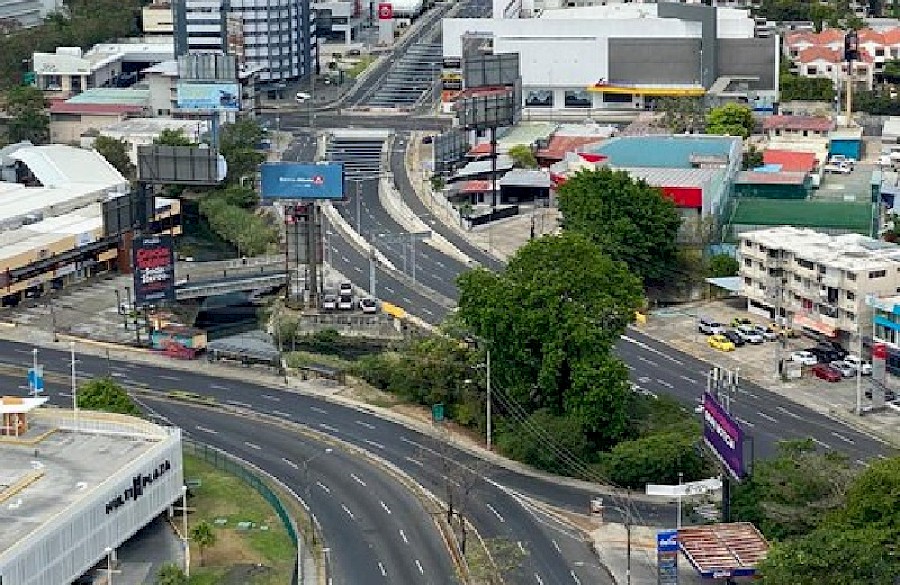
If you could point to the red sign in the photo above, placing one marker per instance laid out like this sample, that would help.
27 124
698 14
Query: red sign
879 351
385 11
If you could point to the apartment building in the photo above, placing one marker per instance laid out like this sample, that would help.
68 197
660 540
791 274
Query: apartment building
822 54
815 280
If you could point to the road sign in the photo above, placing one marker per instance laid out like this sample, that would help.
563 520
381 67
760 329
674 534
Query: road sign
437 412
686 489
36 379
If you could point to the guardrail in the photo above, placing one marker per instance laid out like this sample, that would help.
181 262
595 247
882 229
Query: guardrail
190 291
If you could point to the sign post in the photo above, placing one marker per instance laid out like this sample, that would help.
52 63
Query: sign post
437 412
667 557
36 380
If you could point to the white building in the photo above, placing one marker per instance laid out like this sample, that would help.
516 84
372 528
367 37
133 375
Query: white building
84 485
157 19
621 56
135 132
816 280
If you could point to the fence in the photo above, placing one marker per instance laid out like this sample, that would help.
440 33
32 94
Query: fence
259 481
494 214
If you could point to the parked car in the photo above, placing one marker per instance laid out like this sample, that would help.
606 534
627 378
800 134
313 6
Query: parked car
835 347
858 364
824 355
720 342
368 305
732 336
710 327
738 321
804 357
767 333
302 97
783 330
826 372
844 368
842 159
749 334
838 168
329 303
889 395
345 303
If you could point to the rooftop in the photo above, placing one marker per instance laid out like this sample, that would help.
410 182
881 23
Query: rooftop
559 145
526 178
155 126
790 161
769 178
166 68
852 252
810 123
662 151
736 548
126 96
810 213
674 177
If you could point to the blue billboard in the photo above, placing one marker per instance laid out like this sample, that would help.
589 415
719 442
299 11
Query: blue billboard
724 436
209 96
287 180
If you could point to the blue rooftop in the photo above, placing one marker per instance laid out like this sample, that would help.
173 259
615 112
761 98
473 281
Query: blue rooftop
663 151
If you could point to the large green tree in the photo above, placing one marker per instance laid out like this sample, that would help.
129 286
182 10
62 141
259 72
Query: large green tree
106 395
169 137
630 220
550 319
27 107
115 151
522 156
731 120
237 143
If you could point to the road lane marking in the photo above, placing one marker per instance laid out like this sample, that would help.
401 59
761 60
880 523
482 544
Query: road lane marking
688 379
291 463
556 546
172 378
843 438
408 300
426 311
643 345
664 383
575 577
744 422
328 428
219 387
413 443
357 480
237 403
766 416
820 443
253 445
389 289
319 410
381 568
538 579
750 394
270 397
280 413
647 361
358 269
415 461
386 509
496 513
787 412
324 487
419 565
403 536
365 424
374 444
349 513
206 430
521 547
345 259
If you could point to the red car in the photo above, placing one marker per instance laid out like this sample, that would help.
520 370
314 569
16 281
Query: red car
826 372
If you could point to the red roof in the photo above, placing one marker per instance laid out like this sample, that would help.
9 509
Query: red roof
560 145
475 186
790 161
110 109
811 123
826 37
481 149
830 55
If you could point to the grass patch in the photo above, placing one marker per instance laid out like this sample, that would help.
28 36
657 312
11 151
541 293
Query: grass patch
221 495
361 65
301 359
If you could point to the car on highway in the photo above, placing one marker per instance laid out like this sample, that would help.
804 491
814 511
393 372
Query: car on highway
826 372
732 336
345 290
767 333
710 327
858 364
345 303
805 358
844 368
720 342
368 305
329 302
749 334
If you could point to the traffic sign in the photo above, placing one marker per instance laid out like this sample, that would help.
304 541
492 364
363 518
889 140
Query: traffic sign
36 379
437 412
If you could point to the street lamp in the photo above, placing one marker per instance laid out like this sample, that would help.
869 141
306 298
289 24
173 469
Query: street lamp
74 385
473 342
306 463
109 571
184 532
357 180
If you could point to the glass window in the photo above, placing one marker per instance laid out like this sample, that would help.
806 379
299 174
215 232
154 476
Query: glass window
578 99
539 98
617 98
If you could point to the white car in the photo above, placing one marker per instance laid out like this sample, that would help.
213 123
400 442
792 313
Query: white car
768 334
345 303
804 357
329 303
749 334
844 368
858 364
842 159
302 97
368 305
838 168
346 289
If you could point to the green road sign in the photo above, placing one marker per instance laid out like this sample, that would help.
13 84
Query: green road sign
437 412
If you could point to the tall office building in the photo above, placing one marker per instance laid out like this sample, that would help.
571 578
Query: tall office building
277 35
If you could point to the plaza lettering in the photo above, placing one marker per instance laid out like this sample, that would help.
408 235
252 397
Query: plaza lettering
723 434
138 483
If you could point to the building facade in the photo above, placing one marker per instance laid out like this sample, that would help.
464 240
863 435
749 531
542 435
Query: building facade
277 36
815 280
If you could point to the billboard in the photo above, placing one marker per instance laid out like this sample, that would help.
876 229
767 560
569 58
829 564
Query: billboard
724 436
385 11
491 109
153 259
180 165
209 96
493 70
449 149
286 180
667 557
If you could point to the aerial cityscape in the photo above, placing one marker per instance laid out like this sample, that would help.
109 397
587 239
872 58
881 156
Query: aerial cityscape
334 292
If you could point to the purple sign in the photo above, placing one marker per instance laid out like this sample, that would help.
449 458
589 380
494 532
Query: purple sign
724 436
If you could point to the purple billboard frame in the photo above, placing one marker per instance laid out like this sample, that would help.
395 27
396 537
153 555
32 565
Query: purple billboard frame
724 436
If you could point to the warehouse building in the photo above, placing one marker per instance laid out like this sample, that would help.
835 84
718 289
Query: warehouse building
79 486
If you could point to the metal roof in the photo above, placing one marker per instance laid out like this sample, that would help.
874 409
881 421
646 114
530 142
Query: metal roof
768 178
58 165
673 177
125 96
723 550
480 167
662 151
526 178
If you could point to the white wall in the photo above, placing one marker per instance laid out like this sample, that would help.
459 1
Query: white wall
554 62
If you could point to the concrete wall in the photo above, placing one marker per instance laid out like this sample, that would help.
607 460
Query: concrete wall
751 57
654 61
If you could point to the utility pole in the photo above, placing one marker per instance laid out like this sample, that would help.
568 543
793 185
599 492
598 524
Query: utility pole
372 270
74 385
488 367
358 207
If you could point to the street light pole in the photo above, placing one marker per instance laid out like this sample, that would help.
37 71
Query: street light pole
184 532
358 207
488 367
109 571
34 353
74 384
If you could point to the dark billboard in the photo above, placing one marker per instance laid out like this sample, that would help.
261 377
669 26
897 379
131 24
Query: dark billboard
153 259
724 436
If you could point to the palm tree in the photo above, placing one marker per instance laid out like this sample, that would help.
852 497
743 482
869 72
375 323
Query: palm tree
171 574
202 534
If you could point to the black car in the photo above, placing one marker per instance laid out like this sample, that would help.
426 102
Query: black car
825 355
834 348
732 336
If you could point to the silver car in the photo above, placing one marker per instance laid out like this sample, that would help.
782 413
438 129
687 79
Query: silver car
844 368
749 334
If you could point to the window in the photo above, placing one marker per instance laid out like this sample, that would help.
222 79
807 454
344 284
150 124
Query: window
851 316
617 98
851 296
797 278
748 262
539 98
805 264
851 276
877 273
747 281
822 269
811 70
577 99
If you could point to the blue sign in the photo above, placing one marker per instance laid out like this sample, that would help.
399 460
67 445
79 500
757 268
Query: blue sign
285 180
667 557
36 379
209 96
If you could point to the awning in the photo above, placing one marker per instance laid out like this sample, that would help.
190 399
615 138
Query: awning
652 91
732 284
719 551
810 323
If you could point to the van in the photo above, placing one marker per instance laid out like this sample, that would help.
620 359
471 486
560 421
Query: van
710 327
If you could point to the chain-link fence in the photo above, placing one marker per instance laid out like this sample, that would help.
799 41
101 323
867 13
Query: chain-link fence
256 479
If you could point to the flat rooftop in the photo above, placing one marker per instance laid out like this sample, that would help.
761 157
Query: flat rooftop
673 151
69 465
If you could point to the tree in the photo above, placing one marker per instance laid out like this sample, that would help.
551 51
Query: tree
681 114
237 143
873 500
730 120
630 220
522 157
551 318
30 121
116 152
722 265
171 574
656 458
203 536
796 87
106 395
751 158
169 137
